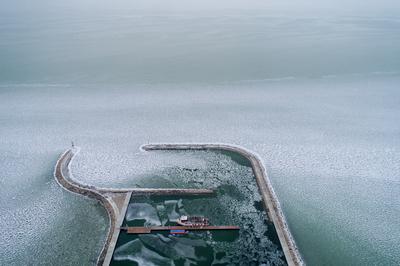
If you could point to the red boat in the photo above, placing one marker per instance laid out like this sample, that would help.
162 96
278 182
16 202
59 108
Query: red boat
193 221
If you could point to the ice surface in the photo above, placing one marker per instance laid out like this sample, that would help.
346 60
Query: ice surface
175 248
256 242
142 211
330 148
316 97
135 251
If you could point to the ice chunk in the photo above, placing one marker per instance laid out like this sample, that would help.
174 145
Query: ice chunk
142 211
172 210
135 251
174 247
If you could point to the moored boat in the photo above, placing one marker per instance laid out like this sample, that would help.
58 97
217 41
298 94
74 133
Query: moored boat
193 221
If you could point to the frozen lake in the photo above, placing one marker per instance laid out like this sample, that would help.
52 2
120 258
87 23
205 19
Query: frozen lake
236 202
317 97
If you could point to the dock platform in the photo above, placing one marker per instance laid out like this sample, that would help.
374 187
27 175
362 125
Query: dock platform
148 230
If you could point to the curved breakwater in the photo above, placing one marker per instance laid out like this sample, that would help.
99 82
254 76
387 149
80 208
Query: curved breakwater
270 200
63 176
115 201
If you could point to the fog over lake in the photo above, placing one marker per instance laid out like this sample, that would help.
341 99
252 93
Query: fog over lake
310 86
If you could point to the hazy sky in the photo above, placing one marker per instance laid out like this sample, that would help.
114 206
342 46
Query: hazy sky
305 7
196 40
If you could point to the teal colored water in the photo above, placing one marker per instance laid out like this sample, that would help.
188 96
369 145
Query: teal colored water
131 42
311 86
237 202
255 243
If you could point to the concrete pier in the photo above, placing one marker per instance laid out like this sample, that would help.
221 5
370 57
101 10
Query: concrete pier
270 200
115 201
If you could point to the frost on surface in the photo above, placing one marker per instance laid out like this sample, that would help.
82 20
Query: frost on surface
142 211
135 251
330 146
237 202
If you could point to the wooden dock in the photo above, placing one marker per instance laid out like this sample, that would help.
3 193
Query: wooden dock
148 230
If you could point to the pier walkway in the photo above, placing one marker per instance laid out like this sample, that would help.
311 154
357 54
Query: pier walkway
148 230
115 201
